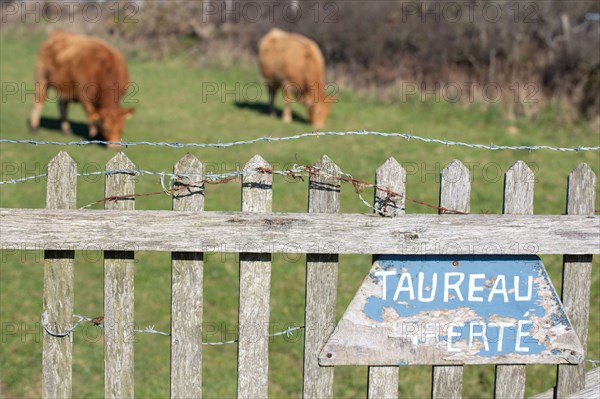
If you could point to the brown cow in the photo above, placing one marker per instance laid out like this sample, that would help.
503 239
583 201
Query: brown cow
86 70
294 62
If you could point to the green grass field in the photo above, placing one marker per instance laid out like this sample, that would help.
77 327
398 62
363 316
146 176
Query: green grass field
170 106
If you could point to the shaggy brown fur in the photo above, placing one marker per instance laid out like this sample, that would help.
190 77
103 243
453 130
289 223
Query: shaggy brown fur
294 62
86 70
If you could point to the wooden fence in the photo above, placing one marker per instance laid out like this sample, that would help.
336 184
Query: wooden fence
188 230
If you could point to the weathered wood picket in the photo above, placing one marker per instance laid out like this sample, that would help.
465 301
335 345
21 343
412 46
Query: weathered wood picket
186 293
518 200
119 229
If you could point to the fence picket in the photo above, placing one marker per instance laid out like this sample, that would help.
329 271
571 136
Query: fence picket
118 290
383 381
186 292
577 277
252 233
455 194
518 200
255 289
57 356
321 286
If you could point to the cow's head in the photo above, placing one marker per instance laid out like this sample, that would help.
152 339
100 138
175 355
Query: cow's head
112 123
318 111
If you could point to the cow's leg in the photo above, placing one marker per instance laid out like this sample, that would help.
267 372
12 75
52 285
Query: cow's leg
288 94
93 118
65 126
272 90
93 128
41 88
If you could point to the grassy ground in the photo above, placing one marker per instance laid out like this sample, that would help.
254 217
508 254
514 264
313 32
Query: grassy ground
172 105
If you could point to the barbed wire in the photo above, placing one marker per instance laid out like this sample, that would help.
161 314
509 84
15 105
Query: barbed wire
595 363
67 331
213 179
36 177
97 321
405 136
197 180
204 178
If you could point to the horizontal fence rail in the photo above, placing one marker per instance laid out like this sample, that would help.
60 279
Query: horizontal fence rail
214 231
188 232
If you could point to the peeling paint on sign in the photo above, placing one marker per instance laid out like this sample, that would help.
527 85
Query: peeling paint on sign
454 310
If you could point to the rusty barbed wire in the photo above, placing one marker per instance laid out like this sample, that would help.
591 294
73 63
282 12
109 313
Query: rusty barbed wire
295 172
197 180
97 321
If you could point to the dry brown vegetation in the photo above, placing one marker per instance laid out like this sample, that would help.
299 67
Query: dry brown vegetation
523 54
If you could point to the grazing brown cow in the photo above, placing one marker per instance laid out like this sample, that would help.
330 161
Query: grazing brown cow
86 70
294 62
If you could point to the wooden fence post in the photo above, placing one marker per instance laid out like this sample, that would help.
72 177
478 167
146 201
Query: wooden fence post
186 290
57 357
383 381
455 195
577 277
518 200
321 285
255 289
118 289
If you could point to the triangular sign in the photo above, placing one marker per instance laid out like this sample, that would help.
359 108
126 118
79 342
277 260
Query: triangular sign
438 309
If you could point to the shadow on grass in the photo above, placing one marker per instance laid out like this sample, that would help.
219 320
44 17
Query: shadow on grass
79 129
263 108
